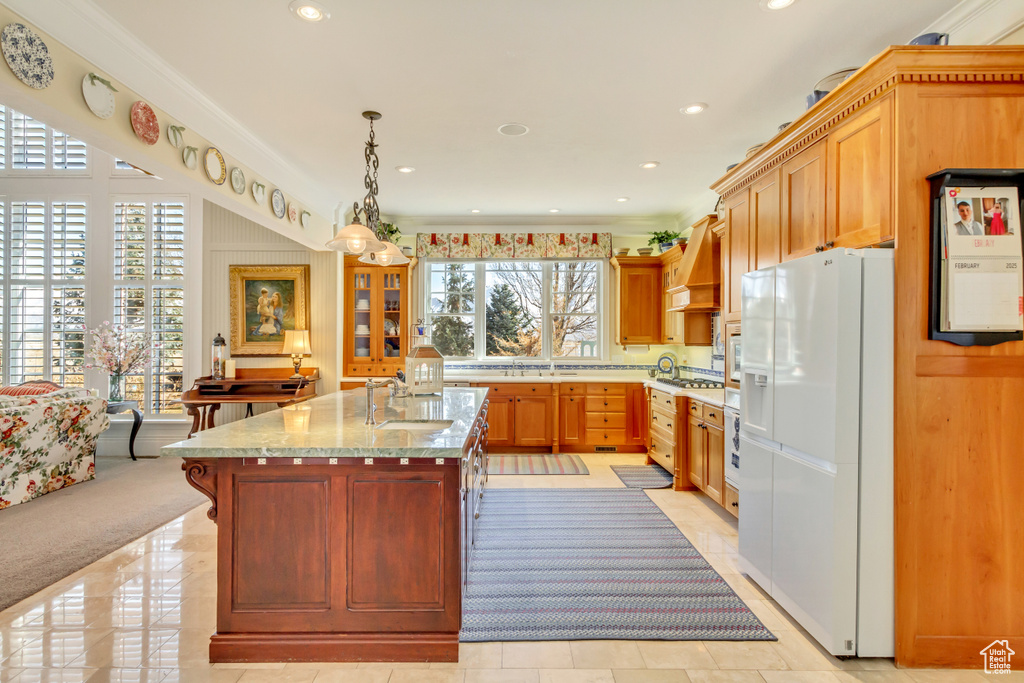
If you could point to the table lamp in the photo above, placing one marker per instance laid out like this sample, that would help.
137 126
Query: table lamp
296 342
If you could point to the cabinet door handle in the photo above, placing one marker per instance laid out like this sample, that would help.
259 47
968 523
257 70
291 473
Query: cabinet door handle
606 402
476 516
818 249
606 419
735 504
711 414
571 400
517 400
830 244
606 388
669 424
535 388
654 418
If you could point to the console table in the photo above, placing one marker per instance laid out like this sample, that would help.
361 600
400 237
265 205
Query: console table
248 386
114 407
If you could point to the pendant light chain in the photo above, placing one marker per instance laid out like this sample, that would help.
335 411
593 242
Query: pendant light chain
370 201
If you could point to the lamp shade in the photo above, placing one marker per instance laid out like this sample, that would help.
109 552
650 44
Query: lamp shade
356 238
296 343
391 255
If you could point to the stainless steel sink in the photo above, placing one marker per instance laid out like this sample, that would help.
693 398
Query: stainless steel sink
424 425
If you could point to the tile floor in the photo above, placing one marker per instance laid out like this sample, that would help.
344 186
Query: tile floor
145 613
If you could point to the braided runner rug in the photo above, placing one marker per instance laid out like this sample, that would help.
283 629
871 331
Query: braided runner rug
643 476
549 463
586 564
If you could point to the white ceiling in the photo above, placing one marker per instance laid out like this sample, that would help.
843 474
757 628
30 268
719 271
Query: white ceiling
599 83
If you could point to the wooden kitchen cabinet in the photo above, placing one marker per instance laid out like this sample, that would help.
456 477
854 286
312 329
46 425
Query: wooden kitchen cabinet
572 420
500 414
376 319
859 180
672 330
803 202
706 456
533 420
766 222
736 252
640 299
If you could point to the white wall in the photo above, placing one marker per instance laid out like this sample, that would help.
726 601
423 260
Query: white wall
231 240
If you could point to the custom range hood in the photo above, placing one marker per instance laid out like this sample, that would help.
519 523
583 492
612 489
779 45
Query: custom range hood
695 285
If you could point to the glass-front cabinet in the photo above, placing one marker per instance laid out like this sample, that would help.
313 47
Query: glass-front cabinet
376 319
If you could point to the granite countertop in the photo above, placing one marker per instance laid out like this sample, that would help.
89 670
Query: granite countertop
335 429
714 397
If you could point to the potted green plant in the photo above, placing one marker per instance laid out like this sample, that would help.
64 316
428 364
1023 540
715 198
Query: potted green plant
389 231
663 239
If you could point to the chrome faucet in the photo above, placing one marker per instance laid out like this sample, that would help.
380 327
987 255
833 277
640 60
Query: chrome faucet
371 407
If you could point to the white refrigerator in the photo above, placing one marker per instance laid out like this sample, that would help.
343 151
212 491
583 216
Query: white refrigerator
816 439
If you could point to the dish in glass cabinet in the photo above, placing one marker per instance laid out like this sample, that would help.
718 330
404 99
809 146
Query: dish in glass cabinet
277 203
390 327
237 180
144 123
259 192
216 169
27 55
99 96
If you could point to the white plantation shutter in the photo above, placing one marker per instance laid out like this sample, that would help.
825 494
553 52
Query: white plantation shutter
169 359
3 137
68 235
67 335
28 143
28 240
68 154
169 241
27 333
129 241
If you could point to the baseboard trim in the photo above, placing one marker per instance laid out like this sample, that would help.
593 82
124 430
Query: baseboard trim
334 647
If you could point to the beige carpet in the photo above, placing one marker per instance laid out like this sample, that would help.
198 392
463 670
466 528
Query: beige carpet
55 535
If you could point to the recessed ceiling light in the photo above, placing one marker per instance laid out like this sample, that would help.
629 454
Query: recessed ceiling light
513 129
695 108
772 5
404 169
622 199
553 210
474 210
309 11
650 164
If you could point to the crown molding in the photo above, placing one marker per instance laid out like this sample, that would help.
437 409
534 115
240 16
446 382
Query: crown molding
83 27
979 22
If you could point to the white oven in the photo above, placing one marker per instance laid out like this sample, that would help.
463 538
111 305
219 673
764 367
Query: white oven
732 438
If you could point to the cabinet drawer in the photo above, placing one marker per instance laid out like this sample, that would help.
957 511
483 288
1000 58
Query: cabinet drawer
696 409
713 415
572 389
665 425
663 453
731 501
606 437
518 389
663 411
667 435
663 400
606 420
606 404
607 389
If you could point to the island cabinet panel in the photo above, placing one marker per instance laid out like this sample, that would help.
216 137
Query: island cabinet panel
860 178
280 566
354 561
803 202
398 530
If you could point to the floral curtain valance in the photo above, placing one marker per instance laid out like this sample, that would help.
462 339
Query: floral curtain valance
514 245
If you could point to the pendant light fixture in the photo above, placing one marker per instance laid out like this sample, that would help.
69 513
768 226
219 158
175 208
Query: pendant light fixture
368 239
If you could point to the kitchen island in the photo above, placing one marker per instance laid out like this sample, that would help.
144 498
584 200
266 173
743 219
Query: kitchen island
340 541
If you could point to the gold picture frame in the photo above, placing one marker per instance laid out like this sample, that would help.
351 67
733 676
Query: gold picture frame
265 302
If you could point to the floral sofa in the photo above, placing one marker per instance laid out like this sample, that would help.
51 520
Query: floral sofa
47 442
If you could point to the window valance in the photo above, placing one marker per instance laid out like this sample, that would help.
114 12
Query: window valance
514 245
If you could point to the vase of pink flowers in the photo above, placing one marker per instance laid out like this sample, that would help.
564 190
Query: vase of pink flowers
121 352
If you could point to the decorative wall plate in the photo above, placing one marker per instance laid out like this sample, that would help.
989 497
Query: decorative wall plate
144 123
304 218
27 55
293 213
216 169
190 155
176 136
237 180
98 96
259 192
277 203
666 362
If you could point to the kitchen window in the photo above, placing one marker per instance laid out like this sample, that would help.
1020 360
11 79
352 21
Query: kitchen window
541 310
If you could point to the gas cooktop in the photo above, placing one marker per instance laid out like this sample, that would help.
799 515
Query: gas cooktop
692 383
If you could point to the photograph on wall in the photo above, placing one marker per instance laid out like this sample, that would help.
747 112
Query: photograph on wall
266 301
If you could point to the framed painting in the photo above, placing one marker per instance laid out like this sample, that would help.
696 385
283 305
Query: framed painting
266 301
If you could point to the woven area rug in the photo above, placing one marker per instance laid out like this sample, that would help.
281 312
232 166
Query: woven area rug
551 463
587 564
642 476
